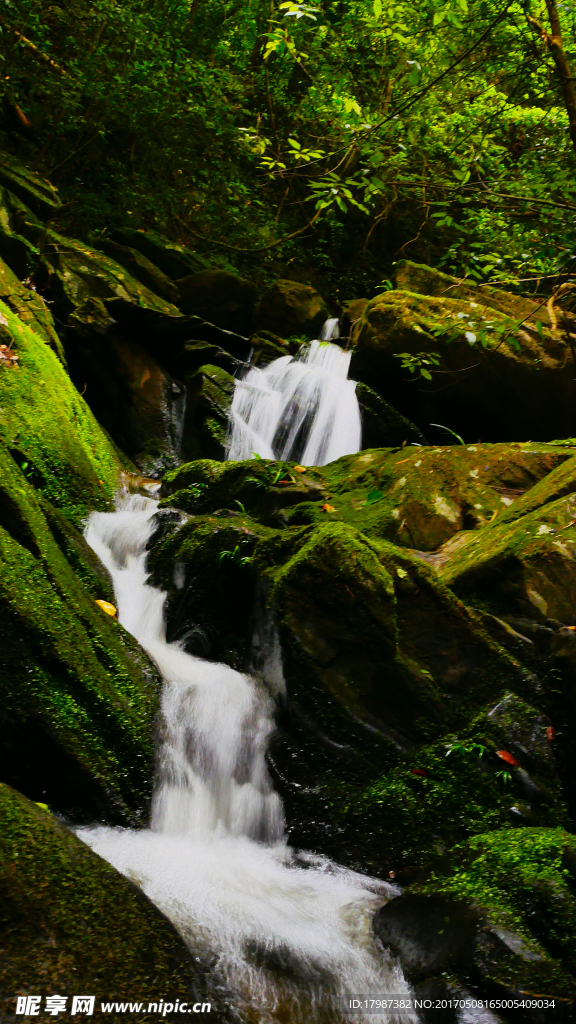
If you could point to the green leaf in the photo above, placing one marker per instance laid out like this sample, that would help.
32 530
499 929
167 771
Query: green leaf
377 5
373 497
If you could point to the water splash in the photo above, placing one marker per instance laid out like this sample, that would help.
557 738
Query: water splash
289 935
302 409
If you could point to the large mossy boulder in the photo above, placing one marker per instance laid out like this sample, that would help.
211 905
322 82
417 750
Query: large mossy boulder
143 270
496 917
79 697
69 923
220 298
290 308
500 372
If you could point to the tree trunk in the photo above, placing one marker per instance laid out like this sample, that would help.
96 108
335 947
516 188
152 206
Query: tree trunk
554 41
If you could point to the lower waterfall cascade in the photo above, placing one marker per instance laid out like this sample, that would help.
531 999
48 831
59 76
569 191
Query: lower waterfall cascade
289 935
305 409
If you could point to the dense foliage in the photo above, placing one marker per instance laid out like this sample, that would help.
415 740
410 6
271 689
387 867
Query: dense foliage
368 129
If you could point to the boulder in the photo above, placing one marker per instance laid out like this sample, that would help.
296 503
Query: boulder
138 402
497 917
220 298
494 378
71 924
289 308
79 697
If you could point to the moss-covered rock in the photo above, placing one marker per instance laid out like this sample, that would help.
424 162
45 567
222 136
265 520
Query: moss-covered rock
48 427
496 915
143 270
497 377
174 260
30 308
79 697
38 193
290 308
70 923
79 272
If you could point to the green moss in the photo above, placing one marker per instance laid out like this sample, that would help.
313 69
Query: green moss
71 924
47 425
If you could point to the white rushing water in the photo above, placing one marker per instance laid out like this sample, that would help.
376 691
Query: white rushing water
289 936
302 409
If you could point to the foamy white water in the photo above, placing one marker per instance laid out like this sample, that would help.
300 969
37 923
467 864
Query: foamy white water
291 935
302 409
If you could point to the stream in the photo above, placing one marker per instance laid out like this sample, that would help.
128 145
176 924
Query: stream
288 934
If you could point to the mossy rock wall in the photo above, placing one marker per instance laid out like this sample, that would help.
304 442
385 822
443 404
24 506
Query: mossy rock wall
79 697
69 923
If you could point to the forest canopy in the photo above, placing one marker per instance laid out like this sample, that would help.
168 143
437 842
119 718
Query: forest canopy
339 134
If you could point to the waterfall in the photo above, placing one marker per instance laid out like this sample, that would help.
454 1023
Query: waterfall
289 935
302 409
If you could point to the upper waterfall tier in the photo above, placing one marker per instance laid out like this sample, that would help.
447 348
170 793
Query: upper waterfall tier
302 409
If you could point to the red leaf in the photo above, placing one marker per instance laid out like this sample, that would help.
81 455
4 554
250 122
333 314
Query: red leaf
550 732
418 771
505 755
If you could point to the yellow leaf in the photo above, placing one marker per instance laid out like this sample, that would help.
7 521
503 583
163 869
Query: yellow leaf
107 607
300 469
328 508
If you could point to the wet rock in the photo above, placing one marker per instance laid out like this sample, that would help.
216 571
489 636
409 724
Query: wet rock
138 402
382 425
220 298
268 347
58 899
494 379
209 393
143 270
289 308
493 919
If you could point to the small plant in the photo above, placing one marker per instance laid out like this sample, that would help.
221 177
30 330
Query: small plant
448 431
240 505
505 777
466 748
271 475
418 361
234 557
195 491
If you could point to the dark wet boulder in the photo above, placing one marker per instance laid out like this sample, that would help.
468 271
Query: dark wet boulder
382 425
495 916
71 924
289 308
220 298
137 401
209 394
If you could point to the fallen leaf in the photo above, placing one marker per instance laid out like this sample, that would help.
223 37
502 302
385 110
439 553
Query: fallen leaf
374 496
328 508
418 771
300 469
505 755
550 732
107 607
